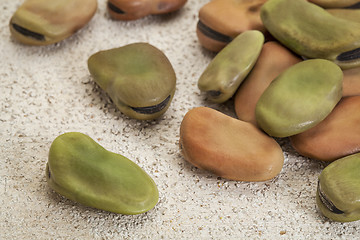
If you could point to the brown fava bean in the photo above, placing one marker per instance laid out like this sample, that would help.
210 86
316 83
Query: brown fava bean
228 147
273 60
135 9
336 136
220 21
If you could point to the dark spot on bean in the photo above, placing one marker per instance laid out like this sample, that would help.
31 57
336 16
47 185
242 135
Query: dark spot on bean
327 202
28 33
255 8
48 171
349 55
152 109
115 9
207 31
355 6
214 93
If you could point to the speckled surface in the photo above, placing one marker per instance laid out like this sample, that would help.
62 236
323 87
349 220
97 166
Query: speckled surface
46 91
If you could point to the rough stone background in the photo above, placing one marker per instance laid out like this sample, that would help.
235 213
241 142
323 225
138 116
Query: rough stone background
47 91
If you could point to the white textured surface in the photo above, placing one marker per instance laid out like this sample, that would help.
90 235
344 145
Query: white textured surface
46 91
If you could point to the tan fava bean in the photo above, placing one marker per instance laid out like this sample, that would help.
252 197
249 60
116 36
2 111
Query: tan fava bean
220 21
228 147
43 22
273 60
135 9
336 136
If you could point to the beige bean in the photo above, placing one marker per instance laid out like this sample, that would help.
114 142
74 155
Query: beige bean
230 148
336 136
273 60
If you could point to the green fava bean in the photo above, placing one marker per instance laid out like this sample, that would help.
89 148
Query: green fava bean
336 3
299 98
312 32
231 65
138 77
338 193
43 22
83 171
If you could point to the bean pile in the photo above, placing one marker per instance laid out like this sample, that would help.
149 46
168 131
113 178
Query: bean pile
303 85
291 66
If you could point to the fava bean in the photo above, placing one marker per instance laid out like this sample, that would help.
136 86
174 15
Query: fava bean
43 22
338 192
83 171
228 147
334 137
138 77
273 60
312 32
231 65
135 9
299 98
220 21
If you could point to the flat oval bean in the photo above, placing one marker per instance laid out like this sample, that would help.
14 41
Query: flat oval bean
83 171
231 65
299 98
228 147
312 32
